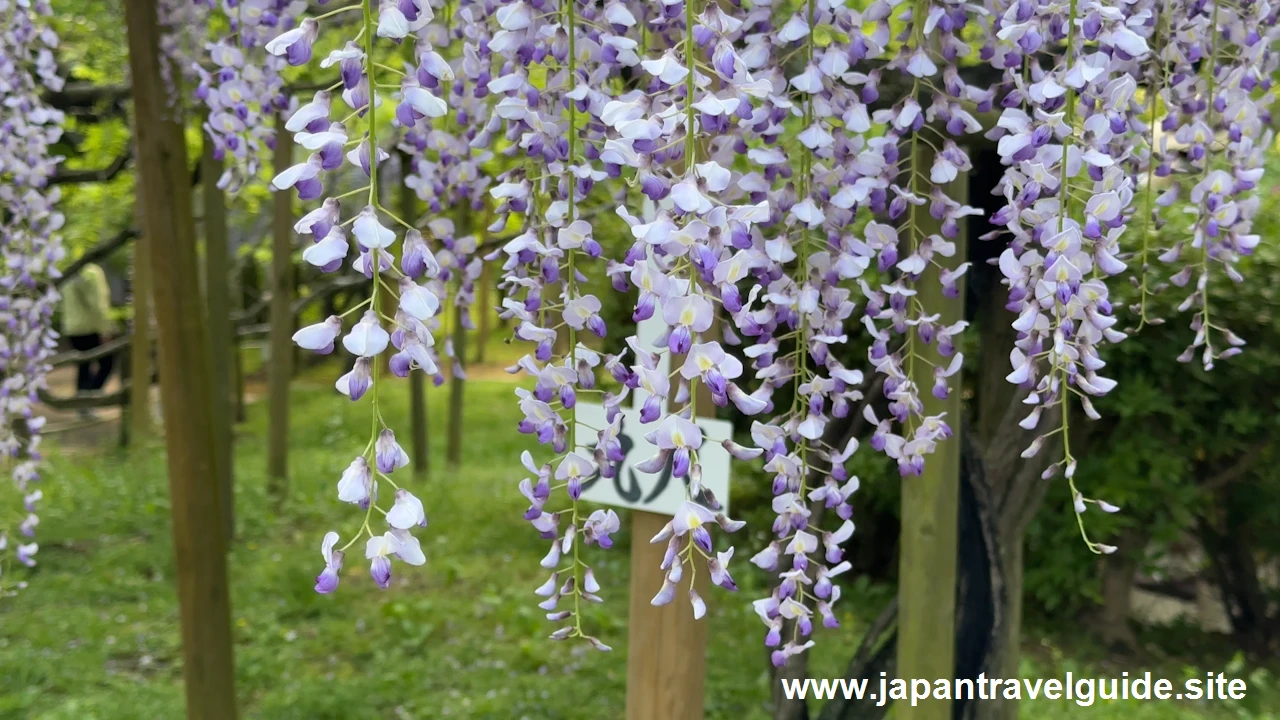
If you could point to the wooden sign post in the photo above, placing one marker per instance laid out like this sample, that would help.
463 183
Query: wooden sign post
666 646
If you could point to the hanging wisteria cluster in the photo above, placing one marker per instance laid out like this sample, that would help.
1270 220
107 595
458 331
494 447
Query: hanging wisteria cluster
786 181
445 162
238 80
30 249
1066 133
1219 61
183 27
396 313
545 74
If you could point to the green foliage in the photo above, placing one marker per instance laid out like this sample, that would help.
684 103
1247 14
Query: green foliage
1171 430
94 51
93 46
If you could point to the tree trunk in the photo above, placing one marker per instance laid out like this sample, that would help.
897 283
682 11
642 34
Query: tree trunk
796 668
1006 656
236 287
221 340
1118 572
484 310
1009 490
1007 487
875 655
238 295
1227 542
238 391
999 493
164 181
980 590
280 364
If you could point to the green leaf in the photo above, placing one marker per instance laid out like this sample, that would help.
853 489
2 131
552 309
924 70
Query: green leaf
822 35
538 76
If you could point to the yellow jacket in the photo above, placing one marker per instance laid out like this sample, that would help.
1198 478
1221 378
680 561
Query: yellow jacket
86 302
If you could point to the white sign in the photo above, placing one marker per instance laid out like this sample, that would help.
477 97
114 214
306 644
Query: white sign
655 492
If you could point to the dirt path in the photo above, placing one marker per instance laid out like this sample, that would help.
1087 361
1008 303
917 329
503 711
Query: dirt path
69 428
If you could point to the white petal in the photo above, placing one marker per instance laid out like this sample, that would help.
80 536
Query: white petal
426 103
419 303
290 176
326 547
318 336
686 196
279 45
371 233
405 513
315 141
1129 41
333 247
367 338
379 546
409 549
305 115
717 178
392 23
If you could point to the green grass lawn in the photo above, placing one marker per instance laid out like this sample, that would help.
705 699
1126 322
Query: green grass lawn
95 636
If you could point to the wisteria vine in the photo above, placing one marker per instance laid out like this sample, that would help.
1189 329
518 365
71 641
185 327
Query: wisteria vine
550 126
30 248
241 86
396 299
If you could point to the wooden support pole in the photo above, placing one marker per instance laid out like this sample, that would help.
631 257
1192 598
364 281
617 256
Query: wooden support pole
930 503
453 450
217 269
453 453
237 380
165 183
484 310
280 364
419 457
140 349
666 647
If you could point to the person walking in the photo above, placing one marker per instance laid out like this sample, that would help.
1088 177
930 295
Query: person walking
86 323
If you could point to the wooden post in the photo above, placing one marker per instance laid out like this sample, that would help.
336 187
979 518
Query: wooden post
485 311
419 457
930 503
280 364
221 343
140 346
666 647
465 220
123 436
453 453
165 184
237 368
